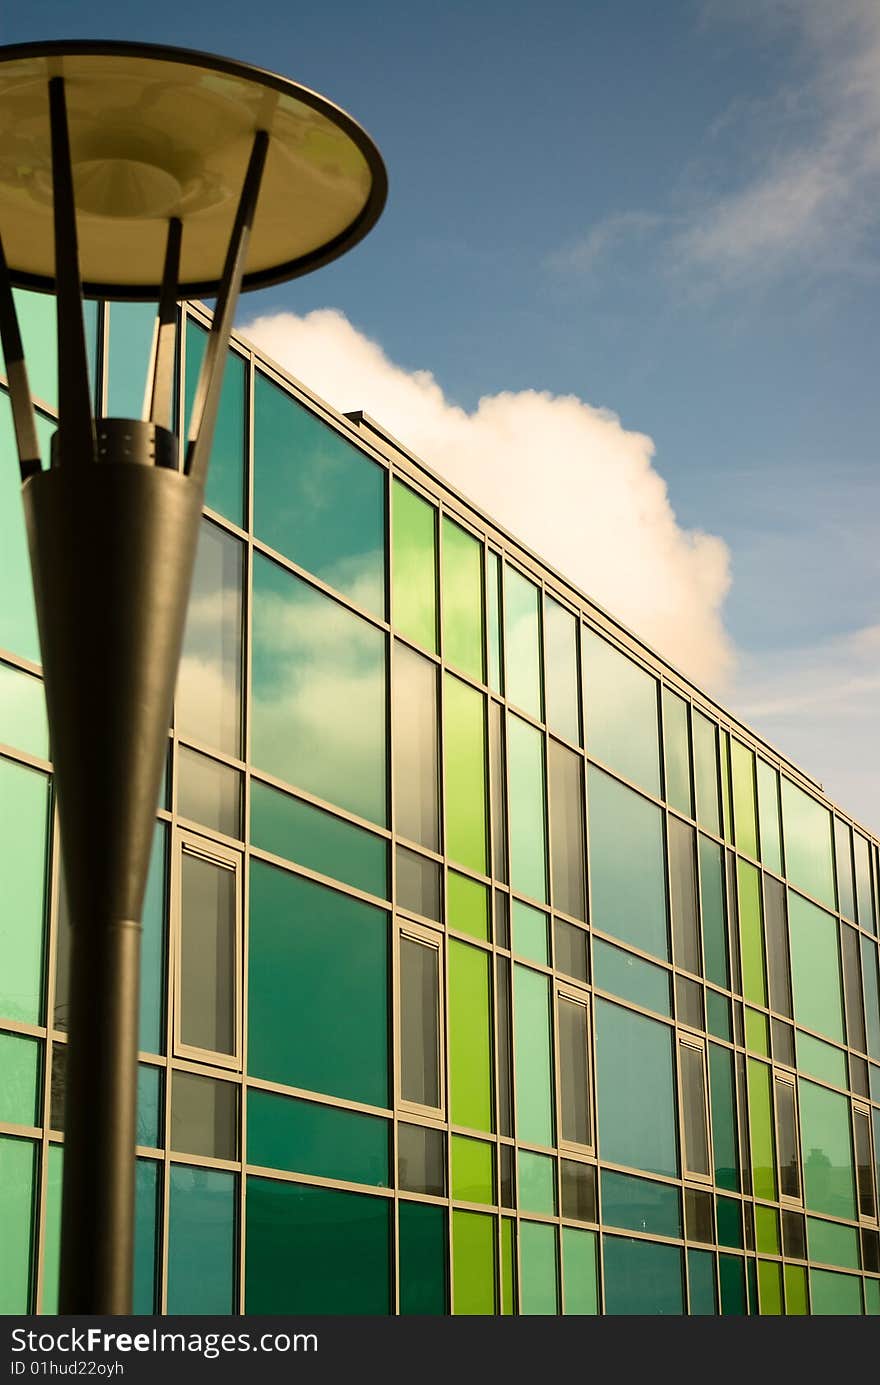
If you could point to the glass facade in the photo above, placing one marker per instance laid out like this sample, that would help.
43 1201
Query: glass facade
488 967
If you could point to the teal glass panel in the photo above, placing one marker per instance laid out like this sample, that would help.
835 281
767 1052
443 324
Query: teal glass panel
538 1278
52 1229
462 603
826 1147
631 977
464 753
636 1091
150 1105
864 895
131 341
705 734
146 1211
713 912
153 947
871 983
846 899
19 1080
316 1250
768 817
414 555
627 863
729 1214
834 1295
806 829
642 1277
701 1283
39 334
474 1253
209 684
522 642
528 818
620 717
24 805
815 968
17 1165
224 489
421 1230
537 1182
744 802
530 936
532 1056
314 838
201 1240
23 721
318 693
829 1243
561 671
677 753
580 1276
493 620
639 1204
733 1286
318 988
18 617
308 1137
818 1059
317 499
718 1015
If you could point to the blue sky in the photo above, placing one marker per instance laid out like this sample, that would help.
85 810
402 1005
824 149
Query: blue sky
668 211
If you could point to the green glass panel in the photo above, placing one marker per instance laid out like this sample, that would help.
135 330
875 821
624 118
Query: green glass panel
636 1091
806 828
24 803
493 619
146 1210
464 750
224 490
733 1287
770 1287
17 1164
462 603
532 1056
752 1280
627 861
201 1240
761 1131
835 1295
18 618
528 818
620 717
308 1137
580 1278
768 815
677 752
826 1146
538 1278
718 1015
864 897
726 793
19 1080
537 1182
473 1263
318 988
872 1296
316 1250
470 1041
467 905
829 1243
795 1291
153 947
318 693
639 1204
818 1059
530 936
757 1032
414 555
302 832
508 1266
705 734
128 359
150 1106
522 642
701 1277
815 968
209 685
422 1248
713 912
36 314
724 1136
642 1277
317 498
843 858
561 671
744 805
871 983
729 1214
766 1230
751 933
52 1229
473 1170
23 721
631 977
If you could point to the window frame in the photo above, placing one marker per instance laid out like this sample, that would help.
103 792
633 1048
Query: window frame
187 842
789 1079
861 1108
433 938
578 996
687 1038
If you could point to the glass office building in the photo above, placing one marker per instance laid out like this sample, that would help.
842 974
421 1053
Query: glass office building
488 966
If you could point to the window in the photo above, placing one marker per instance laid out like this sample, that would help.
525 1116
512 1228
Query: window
208 792
867 1193
694 1108
421 1024
208 702
787 1138
573 1066
207 885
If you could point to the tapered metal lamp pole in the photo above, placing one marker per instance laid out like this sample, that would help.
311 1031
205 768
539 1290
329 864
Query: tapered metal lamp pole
113 523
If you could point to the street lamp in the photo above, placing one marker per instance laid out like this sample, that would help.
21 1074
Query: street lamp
130 171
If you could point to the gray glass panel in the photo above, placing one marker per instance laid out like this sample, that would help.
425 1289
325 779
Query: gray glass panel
578 1190
864 1169
677 753
574 1070
208 792
418 883
207 955
846 900
689 1002
787 1146
620 719
693 1100
683 896
416 775
567 850
419 1022
421 1162
776 934
561 670
628 886
852 988
204 1116
571 950
208 707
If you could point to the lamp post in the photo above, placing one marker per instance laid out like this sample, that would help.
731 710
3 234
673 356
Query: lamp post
132 171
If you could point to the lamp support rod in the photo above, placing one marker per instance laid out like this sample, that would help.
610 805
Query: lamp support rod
23 417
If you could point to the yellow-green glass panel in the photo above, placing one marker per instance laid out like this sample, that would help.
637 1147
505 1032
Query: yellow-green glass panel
751 933
528 816
744 805
473 1263
768 817
757 1032
807 834
770 1287
462 600
766 1230
414 555
470 1042
815 968
464 750
826 1145
467 905
726 792
795 1291
24 804
17 1163
761 1131
473 1164
580 1279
